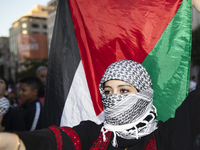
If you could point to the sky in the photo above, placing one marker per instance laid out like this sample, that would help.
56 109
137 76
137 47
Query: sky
11 10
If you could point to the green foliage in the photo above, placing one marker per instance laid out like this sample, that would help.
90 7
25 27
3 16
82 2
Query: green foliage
30 66
195 54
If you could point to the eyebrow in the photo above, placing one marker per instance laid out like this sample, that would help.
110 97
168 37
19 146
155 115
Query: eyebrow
123 85
118 86
107 86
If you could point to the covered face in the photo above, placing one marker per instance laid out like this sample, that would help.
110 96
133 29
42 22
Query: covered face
128 71
128 110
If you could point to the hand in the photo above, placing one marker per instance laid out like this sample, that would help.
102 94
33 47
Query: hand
10 141
196 4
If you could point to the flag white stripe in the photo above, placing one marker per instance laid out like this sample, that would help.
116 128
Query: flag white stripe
78 105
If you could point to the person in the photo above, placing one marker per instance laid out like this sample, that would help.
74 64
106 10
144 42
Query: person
192 84
41 73
32 109
130 119
11 119
4 103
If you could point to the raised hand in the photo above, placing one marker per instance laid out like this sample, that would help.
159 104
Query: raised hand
196 4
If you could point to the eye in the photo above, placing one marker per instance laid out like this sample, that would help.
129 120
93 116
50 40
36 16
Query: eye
107 92
124 91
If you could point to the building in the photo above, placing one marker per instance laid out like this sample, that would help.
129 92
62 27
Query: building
52 7
4 56
28 38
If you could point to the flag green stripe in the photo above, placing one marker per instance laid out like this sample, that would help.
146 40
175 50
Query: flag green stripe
169 63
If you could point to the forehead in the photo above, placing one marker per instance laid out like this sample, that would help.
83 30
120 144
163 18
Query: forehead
24 85
43 71
113 83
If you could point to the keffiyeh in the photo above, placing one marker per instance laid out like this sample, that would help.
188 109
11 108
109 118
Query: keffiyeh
129 116
128 71
4 105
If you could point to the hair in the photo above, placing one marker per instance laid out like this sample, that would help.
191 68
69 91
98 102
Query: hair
5 80
40 68
193 77
34 83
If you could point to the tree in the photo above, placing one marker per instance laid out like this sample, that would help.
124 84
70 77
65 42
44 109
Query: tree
30 65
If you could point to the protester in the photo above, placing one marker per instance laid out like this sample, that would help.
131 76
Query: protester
4 105
124 127
11 119
41 73
130 119
32 109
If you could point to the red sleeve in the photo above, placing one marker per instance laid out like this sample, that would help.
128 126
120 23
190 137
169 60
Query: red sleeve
66 138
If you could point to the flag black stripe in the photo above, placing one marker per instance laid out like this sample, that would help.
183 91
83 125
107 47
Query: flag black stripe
64 59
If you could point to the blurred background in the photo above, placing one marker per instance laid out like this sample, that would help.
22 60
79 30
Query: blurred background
25 37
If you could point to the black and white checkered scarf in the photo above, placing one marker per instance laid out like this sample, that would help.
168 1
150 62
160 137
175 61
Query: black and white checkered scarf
129 116
4 105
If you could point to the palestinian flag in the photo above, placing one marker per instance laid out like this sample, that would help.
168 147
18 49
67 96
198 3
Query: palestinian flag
90 35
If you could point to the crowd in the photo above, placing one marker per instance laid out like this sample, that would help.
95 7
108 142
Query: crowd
22 109
130 116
